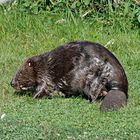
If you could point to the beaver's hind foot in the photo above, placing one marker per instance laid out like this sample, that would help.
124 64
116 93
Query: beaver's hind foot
114 100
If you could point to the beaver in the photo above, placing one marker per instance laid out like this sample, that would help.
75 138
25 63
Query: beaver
75 68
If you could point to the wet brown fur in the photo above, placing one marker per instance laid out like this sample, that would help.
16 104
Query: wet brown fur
75 68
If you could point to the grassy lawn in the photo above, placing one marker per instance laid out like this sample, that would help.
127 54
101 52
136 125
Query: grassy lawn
22 36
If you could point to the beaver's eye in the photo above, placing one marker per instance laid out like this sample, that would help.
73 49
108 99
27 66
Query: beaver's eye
29 64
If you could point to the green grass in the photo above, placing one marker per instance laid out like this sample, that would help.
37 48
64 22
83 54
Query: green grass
22 36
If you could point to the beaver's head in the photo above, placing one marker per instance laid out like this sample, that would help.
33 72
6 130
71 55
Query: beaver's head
25 77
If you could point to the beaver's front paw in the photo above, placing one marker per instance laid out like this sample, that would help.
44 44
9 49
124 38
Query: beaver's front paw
38 95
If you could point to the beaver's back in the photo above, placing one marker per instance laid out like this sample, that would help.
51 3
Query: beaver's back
78 55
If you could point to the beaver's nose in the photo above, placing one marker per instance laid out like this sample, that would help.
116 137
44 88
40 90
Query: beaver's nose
13 83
